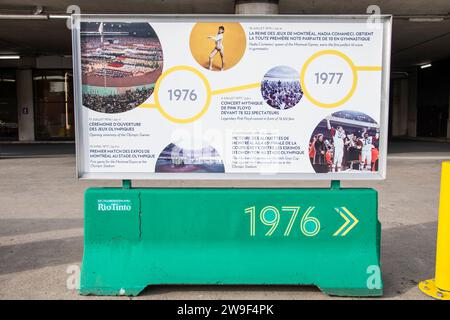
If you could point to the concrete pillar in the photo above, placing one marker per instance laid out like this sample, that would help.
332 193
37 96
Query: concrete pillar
448 119
24 83
403 114
412 103
395 87
395 106
256 7
399 106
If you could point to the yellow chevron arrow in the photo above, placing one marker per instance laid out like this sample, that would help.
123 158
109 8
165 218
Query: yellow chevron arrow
347 215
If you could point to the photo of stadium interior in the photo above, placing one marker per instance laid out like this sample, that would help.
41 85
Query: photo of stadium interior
121 63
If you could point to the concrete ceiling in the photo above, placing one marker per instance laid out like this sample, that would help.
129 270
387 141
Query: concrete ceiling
413 42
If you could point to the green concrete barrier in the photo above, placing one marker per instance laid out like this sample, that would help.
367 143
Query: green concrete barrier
136 237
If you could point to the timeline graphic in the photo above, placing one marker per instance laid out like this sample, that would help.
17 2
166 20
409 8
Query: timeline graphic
183 94
233 99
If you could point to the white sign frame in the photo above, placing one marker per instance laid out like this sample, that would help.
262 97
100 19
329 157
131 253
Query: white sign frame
386 21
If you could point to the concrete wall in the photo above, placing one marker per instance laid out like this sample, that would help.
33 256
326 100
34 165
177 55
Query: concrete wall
399 107
24 83
39 62
54 62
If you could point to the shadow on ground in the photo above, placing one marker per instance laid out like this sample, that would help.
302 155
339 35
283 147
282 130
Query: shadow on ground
13 227
21 150
408 254
40 254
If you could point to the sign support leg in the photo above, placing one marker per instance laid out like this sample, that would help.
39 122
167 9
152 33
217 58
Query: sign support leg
335 184
126 184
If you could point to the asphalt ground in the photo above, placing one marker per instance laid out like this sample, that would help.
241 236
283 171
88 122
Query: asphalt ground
41 225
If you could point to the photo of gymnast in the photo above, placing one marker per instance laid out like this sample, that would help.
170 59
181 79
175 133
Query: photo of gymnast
218 48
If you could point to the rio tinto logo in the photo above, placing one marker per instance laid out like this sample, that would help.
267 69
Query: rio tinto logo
113 205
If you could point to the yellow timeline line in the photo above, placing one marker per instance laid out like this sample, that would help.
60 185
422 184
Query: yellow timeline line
238 88
257 85
368 68
214 92
148 105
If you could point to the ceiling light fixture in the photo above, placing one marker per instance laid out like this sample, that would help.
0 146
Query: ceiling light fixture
426 19
59 16
9 57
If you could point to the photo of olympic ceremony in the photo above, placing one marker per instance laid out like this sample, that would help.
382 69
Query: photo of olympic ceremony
120 63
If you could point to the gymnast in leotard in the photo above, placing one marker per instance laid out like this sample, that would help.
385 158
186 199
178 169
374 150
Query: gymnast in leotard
218 48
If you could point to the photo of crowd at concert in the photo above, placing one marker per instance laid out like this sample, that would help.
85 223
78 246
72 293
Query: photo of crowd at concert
176 159
346 141
281 88
120 64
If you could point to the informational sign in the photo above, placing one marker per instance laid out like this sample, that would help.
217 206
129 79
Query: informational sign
231 97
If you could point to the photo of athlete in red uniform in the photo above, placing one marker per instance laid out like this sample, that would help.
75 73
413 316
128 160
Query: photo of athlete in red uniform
350 140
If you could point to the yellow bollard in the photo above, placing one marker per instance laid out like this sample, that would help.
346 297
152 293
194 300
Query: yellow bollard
439 287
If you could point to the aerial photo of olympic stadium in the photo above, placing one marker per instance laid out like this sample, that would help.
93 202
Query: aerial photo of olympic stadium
176 159
120 63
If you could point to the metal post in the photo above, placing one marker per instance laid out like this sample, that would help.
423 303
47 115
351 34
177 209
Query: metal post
439 287
335 184
66 101
126 184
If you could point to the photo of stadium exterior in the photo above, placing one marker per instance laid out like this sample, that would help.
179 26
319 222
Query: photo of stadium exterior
176 159
120 64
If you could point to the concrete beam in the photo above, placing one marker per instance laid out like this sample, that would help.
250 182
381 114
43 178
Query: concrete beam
54 62
256 7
